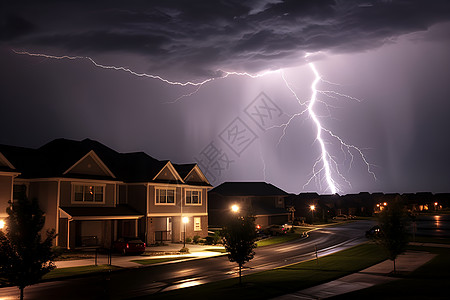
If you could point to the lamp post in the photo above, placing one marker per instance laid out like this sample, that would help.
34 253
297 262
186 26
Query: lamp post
312 208
185 221
235 208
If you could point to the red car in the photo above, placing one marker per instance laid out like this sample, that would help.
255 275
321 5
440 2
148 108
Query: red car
128 245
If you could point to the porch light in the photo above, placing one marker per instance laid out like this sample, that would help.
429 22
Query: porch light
235 208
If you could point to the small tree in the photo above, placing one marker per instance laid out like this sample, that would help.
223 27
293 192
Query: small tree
239 238
393 222
24 256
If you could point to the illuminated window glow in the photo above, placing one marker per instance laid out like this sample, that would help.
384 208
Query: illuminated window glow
197 224
88 193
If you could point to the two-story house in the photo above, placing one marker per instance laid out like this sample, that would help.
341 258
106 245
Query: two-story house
263 200
91 194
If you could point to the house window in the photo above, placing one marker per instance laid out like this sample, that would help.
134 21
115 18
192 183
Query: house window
197 224
88 193
165 196
19 190
193 197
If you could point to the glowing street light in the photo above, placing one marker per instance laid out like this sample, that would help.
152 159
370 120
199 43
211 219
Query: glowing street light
2 224
312 208
185 221
235 208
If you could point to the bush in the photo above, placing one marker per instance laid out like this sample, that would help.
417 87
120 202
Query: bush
196 239
188 240
209 240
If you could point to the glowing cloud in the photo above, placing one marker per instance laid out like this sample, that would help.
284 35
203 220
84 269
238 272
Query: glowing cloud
325 167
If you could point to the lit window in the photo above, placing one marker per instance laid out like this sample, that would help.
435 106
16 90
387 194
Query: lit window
88 193
193 197
165 196
197 224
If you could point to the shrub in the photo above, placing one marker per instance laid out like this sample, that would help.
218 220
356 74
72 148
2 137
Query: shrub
196 239
184 250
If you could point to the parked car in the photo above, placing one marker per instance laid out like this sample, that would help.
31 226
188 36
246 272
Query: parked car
373 232
129 245
340 217
275 230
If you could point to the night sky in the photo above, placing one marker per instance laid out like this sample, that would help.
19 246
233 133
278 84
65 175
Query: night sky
385 88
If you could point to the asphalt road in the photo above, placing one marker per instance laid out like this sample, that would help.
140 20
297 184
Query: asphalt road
154 279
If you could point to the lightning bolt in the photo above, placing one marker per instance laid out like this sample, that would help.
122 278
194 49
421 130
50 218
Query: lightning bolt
325 157
325 164
198 84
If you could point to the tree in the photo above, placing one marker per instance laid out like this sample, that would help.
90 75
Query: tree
239 238
24 256
393 222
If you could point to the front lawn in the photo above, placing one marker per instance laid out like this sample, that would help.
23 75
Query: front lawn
284 280
75 271
427 282
290 236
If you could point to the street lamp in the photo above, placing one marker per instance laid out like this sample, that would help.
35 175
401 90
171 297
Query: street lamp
185 221
2 224
235 208
312 208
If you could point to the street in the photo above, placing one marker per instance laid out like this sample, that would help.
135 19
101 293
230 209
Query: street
131 283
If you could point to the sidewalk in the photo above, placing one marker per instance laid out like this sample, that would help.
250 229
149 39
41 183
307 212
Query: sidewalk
371 276
125 261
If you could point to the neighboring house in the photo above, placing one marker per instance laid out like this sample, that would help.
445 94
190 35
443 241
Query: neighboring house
264 200
7 174
92 195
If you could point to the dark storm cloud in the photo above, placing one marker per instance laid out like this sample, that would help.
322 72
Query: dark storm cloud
202 37
13 26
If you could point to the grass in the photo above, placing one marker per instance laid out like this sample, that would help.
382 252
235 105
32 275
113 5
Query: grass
74 271
290 236
284 280
159 260
427 282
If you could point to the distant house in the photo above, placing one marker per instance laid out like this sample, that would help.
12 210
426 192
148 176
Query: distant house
261 199
92 194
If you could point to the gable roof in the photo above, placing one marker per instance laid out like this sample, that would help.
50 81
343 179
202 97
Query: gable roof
96 160
248 189
58 157
172 170
24 160
186 170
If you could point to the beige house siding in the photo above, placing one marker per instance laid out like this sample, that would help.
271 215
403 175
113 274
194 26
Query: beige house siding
88 166
46 194
137 196
5 193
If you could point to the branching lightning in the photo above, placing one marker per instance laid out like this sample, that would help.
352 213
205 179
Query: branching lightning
325 168
325 164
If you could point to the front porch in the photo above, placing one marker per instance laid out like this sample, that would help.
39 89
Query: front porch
81 227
